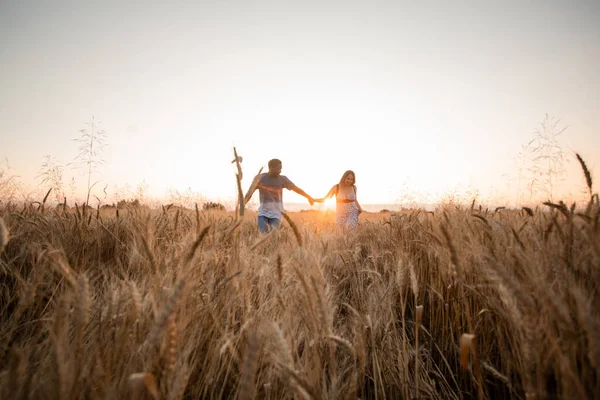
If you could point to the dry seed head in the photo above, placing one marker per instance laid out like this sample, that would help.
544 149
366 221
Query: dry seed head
172 344
65 270
161 322
4 237
466 341
179 383
294 228
497 374
324 316
279 269
414 284
227 346
586 172
419 313
400 275
85 301
529 211
136 298
343 342
140 381
284 348
260 241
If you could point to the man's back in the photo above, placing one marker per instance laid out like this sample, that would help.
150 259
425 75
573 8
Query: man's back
271 194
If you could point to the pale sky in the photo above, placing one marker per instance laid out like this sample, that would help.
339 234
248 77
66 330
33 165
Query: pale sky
421 96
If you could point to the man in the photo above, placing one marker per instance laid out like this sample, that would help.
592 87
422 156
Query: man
270 187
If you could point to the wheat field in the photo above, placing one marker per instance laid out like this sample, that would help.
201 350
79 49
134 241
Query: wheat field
460 303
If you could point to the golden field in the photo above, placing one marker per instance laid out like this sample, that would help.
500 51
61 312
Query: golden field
460 303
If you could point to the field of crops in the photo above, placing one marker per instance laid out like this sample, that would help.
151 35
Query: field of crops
459 303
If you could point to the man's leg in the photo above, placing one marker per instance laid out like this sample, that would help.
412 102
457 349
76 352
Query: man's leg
263 224
275 223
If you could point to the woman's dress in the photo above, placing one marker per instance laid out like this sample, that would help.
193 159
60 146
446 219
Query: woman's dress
346 210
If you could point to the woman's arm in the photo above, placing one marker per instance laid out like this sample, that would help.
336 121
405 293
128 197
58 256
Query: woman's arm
360 210
330 194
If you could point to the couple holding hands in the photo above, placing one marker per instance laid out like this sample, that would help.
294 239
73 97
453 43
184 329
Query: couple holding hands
270 187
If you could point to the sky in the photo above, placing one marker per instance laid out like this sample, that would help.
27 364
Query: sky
420 99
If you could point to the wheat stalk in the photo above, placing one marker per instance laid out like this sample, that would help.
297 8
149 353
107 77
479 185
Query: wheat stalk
294 228
248 377
346 336
17 370
237 160
4 235
179 383
419 317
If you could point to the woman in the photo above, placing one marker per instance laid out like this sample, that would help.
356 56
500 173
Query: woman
347 208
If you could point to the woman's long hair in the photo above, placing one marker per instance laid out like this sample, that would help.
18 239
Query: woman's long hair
345 175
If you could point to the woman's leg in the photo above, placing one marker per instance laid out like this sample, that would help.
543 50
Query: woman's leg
353 219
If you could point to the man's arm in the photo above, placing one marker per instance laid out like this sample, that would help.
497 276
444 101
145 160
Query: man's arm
303 193
251 189
249 194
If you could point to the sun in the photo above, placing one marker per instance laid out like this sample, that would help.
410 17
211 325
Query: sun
329 204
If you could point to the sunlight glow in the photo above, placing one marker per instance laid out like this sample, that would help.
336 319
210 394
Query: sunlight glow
329 204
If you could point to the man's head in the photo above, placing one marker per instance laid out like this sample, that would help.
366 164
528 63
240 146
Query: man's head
275 166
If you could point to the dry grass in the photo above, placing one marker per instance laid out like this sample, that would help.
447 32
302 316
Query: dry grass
173 303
